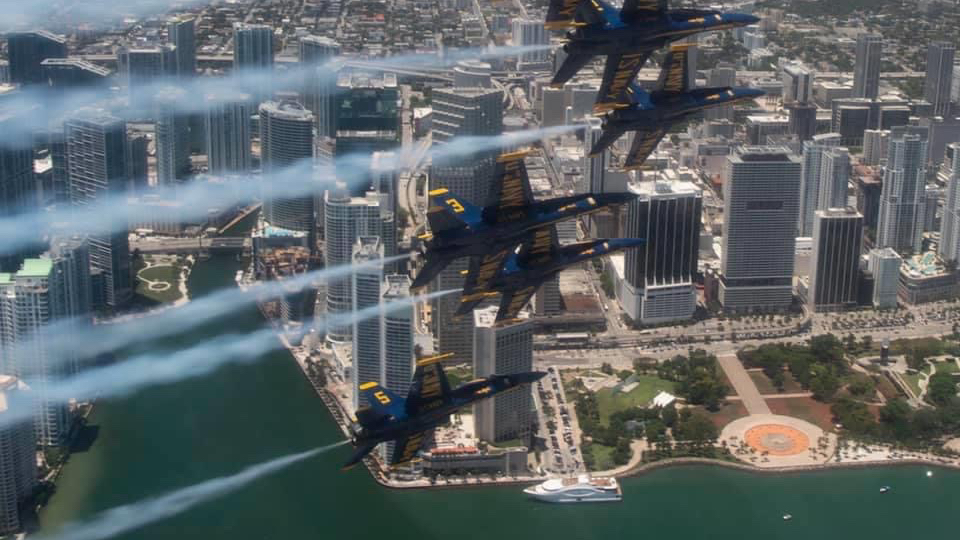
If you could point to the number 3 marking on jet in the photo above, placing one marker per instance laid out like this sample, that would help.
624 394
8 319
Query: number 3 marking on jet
455 204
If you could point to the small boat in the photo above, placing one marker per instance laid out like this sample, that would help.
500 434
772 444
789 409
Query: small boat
787 517
884 489
929 474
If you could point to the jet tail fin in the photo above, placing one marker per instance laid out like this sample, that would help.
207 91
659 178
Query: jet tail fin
448 211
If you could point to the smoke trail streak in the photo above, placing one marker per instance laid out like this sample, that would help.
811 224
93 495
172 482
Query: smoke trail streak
133 516
150 369
39 107
65 341
94 13
112 213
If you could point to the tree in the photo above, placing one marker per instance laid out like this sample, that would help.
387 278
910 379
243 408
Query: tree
862 387
941 389
866 342
669 415
606 368
823 383
854 416
695 427
621 452
826 348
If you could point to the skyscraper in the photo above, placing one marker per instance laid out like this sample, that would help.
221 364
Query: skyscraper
366 284
531 33
761 202
936 85
18 191
72 72
172 138
252 50
26 50
837 235
396 339
139 65
96 167
181 33
227 131
346 218
866 70
834 177
18 461
797 84
949 247
594 168
28 305
885 265
71 287
367 121
319 80
811 174
660 274
875 145
461 112
503 350
722 75
902 204
286 139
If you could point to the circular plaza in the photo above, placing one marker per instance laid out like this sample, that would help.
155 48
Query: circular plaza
771 440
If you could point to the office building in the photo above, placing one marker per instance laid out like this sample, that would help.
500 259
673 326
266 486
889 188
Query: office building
503 349
834 178
552 106
28 305
811 174
172 138
286 140
949 247
367 121
227 131
397 328
936 85
802 120
659 275
902 204
875 144
366 284
18 460
761 203
140 65
346 219
96 156
884 264
72 287
319 80
472 74
137 147
461 112
866 70
722 75
797 84
253 50
72 73
595 167
531 33
181 33
18 189
27 50
837 235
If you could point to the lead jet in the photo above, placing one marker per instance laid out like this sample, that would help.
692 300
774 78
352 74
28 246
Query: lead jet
523 271
428 404
650 114
460 229
626 36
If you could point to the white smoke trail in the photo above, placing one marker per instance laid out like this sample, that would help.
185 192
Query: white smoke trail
15 15
112 213
151 369
67 340
133 516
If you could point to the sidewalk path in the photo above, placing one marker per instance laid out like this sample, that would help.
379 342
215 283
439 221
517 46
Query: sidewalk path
742 383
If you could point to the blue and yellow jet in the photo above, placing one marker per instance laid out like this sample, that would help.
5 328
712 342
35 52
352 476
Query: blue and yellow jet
524 270
460 229
650 114
428 404
626 36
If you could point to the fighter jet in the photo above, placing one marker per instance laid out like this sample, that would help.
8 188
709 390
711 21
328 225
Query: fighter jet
627 37
428 404
651 114
537 260
460 229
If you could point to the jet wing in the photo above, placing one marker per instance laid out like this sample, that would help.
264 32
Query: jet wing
642 10
572 64
513 302
644 143
430 388
539 245
561 13
406 447
619 73
480 277
512 193
382 402
607 138
673 73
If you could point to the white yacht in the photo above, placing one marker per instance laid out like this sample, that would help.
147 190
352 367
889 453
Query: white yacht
583 488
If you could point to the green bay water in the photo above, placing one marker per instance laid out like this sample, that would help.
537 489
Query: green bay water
172 436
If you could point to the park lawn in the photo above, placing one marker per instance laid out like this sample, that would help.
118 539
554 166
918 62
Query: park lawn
728 412
948 366
764 384
887 388
602 457
804 408
648 387
912 380
168 274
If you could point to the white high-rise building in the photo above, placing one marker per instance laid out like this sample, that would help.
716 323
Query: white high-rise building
286 140
319 82
28 304
884 264
875 144
837 237
397 326
811 174
834 177
182 34
172 138
797 84
531 33
253 50
346 219
503 350
949 247
594 167
761 194
366 283
18 459
902 201
227 130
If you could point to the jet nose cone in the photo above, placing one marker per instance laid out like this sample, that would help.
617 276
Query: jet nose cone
625 243
743 19
615 198
749 92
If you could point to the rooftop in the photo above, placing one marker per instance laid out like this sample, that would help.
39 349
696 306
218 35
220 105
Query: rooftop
35 268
